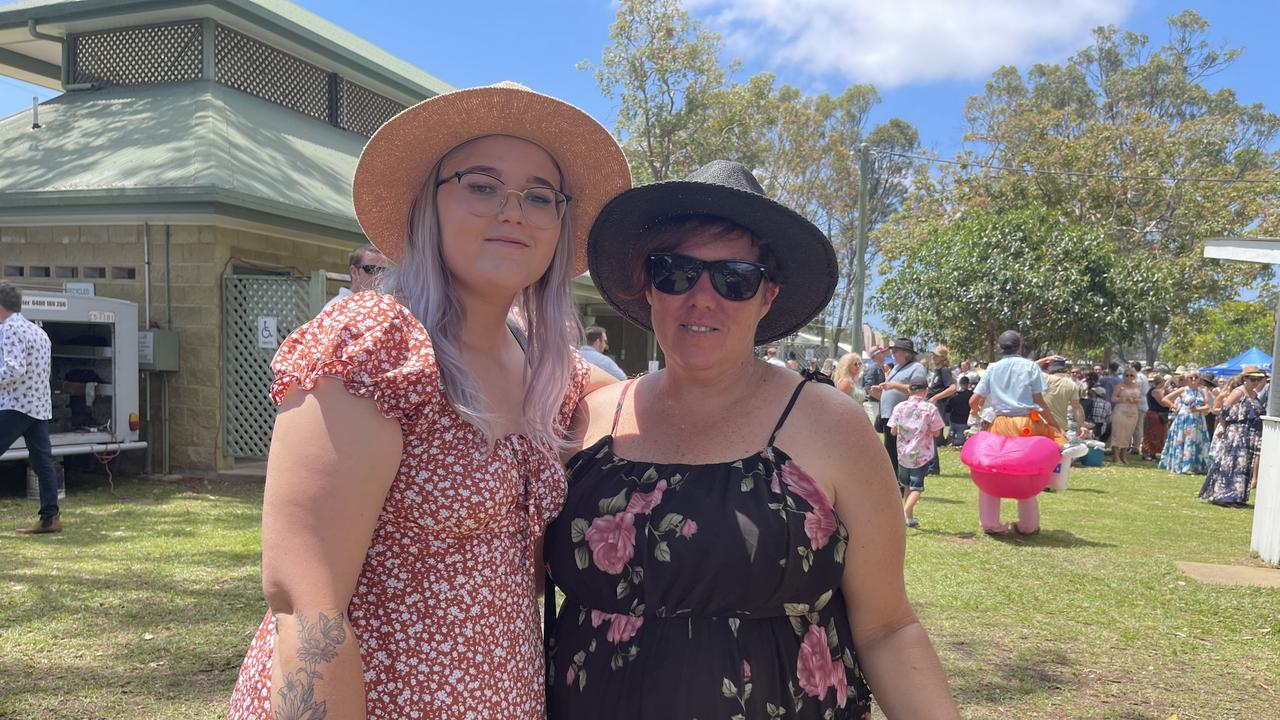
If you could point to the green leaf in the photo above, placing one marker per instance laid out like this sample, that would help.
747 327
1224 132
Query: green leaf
624 587
650 476
747 483
578 530
733 625
582 679
799 609
661 552
823 599
615 504
728 688
671 522
582 557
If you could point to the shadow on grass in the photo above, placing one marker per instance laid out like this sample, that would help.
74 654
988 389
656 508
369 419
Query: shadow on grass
964 535
1049 539
935 500
996 675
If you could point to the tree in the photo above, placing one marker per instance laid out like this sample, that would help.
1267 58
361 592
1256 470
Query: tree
678 109
987 272
1140 152
1218 333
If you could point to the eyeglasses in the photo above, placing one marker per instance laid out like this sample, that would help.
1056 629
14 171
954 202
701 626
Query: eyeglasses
485 196
674 274
371 269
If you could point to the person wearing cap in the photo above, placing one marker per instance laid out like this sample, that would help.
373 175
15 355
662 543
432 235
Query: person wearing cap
916 424
414 462
705 539
1233 471
1186 444
1014 386
906 369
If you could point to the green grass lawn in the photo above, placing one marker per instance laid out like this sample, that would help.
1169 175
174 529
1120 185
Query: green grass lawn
143 607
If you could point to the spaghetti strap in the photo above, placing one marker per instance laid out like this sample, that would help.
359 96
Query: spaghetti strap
617 413
794 396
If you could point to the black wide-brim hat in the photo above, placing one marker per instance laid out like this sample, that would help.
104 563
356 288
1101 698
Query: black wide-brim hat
806 269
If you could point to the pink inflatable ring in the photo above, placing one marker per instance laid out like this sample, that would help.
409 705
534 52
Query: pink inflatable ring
1010 467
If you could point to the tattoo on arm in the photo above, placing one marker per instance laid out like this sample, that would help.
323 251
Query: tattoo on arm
317 644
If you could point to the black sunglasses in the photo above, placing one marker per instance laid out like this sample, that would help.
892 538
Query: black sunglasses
674 274
371 269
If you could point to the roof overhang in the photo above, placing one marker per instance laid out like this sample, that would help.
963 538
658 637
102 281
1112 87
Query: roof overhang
1255 250
185 206
276 22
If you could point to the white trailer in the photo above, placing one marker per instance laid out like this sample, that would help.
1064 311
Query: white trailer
94 373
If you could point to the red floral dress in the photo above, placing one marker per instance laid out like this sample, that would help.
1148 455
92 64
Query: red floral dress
444 607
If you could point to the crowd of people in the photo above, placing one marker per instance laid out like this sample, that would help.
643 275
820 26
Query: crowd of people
1185 419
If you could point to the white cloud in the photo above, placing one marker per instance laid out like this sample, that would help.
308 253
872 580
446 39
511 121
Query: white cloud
900 42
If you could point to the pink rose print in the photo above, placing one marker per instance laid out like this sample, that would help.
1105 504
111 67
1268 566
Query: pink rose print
612 539
803 484
621 627
568 679
688 528
642 503
817 671
820 523
746 670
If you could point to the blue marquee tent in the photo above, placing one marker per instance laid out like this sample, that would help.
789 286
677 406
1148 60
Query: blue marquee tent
1233 367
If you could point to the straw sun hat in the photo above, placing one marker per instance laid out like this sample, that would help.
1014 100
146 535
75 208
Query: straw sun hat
394 165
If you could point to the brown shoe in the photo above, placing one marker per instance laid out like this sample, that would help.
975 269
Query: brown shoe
51 525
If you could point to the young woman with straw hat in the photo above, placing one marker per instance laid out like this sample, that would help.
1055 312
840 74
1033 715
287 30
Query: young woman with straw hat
414 462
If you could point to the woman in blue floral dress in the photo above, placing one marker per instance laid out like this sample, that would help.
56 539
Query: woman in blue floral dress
1186 446
1235 467
731 544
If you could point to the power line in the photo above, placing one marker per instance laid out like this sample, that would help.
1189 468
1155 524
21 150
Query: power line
1073 173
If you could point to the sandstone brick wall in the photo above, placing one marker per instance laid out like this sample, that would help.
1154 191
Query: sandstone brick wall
200 255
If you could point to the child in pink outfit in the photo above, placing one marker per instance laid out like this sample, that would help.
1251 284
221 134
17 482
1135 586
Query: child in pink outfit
915 422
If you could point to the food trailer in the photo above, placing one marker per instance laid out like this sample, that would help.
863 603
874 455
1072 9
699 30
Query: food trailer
94 373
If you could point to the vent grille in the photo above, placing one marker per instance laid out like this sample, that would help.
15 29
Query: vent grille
151 55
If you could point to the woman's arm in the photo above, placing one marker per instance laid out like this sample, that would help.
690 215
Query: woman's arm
599 378
333 457
1170 398
1233 397
893 649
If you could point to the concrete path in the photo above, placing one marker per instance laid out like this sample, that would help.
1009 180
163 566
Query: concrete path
1231 574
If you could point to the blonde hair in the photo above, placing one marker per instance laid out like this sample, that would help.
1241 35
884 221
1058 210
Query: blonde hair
422 281
842 369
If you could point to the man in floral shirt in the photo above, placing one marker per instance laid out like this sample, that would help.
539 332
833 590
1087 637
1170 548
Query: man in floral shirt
26 401
915 422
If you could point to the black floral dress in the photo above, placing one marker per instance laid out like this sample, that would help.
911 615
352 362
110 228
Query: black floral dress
699 591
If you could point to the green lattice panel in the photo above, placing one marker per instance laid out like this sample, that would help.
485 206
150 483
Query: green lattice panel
246 365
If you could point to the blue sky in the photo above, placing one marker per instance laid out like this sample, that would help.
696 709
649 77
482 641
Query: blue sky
925 56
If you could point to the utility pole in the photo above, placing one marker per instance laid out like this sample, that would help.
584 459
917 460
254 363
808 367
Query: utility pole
860 274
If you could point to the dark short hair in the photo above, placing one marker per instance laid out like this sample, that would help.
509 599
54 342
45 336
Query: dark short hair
593 333
1136 365
964 382
1114 366
356 258
917 385
670 234
10 297
1010 342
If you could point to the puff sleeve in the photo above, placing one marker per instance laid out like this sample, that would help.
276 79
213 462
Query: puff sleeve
579 376
374 345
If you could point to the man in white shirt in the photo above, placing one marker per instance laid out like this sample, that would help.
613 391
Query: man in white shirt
771 357
593 352
365 265
26 400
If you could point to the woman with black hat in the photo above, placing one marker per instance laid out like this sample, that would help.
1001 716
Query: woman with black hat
704 549
414 460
